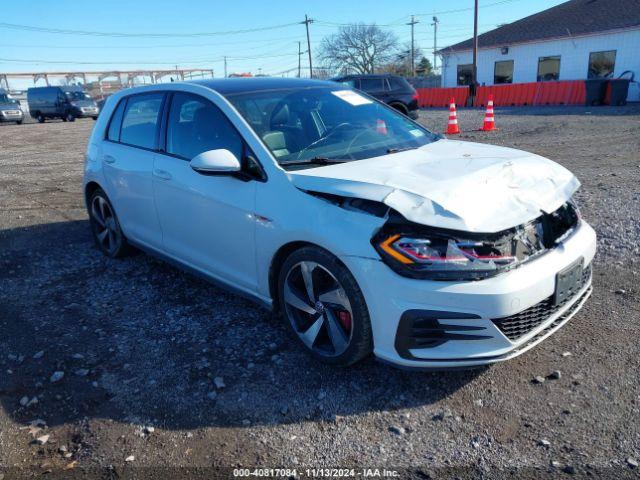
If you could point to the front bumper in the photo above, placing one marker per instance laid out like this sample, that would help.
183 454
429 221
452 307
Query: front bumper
11 116
86 112
473 310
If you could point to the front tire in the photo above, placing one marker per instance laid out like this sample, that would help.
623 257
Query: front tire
324 307
69 117
106 227
40 118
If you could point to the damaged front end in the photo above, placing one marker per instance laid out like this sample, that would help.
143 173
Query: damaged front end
418 251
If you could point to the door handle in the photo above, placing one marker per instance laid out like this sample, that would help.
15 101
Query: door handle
108 159
162 174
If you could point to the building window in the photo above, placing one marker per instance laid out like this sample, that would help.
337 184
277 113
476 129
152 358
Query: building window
548 68
601 64
503 72
465 74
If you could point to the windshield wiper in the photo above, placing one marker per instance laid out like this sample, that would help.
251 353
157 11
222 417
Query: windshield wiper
396 150
314 161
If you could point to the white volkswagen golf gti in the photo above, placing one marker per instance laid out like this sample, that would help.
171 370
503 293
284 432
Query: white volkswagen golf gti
367 232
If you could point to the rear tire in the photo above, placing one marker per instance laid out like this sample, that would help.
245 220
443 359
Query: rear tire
401 108
19 122
324 307
106 227
40 118
70 118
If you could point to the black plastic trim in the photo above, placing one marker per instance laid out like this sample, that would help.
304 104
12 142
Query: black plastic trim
561 320
421 329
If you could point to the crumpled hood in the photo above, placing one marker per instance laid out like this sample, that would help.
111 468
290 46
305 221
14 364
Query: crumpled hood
451 184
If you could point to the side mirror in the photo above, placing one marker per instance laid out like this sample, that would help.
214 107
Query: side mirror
216 162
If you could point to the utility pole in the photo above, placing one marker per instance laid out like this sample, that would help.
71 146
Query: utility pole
475 51
435 42
306 22
413 49
225 67
299 59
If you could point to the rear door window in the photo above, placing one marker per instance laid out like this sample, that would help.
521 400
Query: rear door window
140 120
372 85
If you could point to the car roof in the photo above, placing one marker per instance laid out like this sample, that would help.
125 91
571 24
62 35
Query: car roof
48 87
370 75
229 86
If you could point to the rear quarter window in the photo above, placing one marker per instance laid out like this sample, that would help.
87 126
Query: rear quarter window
113 133
398 84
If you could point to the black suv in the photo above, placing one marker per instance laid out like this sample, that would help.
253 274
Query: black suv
393 90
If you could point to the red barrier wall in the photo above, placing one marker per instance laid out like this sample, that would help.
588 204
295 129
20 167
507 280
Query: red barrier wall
570 92
440 97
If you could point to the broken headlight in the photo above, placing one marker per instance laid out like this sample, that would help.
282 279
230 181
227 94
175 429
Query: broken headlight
421 252
444 258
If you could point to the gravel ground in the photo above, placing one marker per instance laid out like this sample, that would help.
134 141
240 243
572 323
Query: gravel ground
115 365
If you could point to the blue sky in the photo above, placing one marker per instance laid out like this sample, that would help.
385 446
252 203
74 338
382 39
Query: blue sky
180 25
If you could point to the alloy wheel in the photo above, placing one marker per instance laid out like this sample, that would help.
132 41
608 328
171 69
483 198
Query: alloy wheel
105 225
318 308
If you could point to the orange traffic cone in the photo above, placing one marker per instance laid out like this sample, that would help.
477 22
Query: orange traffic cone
452 126
489 124
381 127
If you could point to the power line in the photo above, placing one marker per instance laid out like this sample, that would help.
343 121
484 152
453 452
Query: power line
458 10
145 62
61 31
136 47
337 24
402 21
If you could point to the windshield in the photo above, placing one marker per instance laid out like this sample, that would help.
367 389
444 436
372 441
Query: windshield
77 95
306 125
4 98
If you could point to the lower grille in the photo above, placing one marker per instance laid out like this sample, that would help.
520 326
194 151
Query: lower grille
422 329
518 325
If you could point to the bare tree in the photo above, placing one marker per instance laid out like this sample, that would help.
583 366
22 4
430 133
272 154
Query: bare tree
400 63
358 48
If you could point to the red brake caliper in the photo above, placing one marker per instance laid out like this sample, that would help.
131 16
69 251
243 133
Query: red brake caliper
345 319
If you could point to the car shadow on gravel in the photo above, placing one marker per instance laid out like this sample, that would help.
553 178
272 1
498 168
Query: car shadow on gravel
141 342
